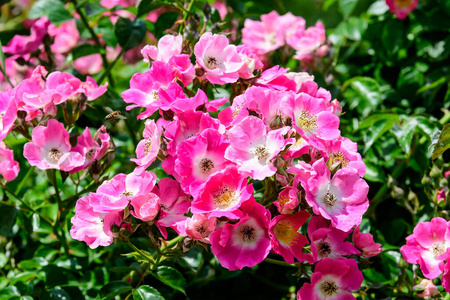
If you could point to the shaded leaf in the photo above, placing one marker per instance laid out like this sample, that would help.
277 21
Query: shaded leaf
146 6
172 277
443 142
8 215
130 34
53 9
404 133
114 289
347 6
146 292
84 50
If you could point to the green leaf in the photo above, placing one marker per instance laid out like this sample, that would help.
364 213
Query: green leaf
59 294
165 21
145 292
130 34
84 50
8 215
2 60
355 28
9 292
33 264
92 9
368 93
146 6
378 8
53 9
172 277
114 289
377 130
443 142
374 172
404 133
3 260
347 6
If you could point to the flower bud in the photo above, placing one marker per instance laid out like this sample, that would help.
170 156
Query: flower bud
435 172
199 71
397 193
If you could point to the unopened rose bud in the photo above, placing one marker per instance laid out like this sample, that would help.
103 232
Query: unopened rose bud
435 172
21 114
426 180
397 193
279 162
199 71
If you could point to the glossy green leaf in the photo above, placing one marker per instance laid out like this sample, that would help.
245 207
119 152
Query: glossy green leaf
145 6
130 34
9 292
172 277
145 292
378 8
33 264
53 9
367 91
8 215
114 289
404 133
84 50
443 142
347 6
165 21
377 130
93 9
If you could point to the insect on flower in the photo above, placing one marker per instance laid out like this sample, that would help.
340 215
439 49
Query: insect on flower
113 115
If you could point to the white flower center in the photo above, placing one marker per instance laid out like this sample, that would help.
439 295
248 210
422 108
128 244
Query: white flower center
211 62
54 154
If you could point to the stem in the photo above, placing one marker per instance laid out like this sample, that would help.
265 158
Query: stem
28 206
278 262
185 15
107 72
77 195
172 243
25 178
149 259
95 38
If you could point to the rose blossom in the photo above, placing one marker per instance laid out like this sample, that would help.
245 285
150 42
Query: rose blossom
285 238
218 58
428 246
9 168
246 243
50 148
332 279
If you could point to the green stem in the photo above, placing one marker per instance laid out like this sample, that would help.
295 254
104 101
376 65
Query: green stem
77 195
171 243
28 206
25 179
150 259
278 262
185 16
95 38
107 72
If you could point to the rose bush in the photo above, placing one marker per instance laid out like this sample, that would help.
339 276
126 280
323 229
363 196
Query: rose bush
219 140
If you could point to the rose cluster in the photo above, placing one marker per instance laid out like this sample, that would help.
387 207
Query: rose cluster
429 246
275 31
263 170
34 103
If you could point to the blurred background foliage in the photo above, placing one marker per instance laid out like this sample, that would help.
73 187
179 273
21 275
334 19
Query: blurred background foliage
391 77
